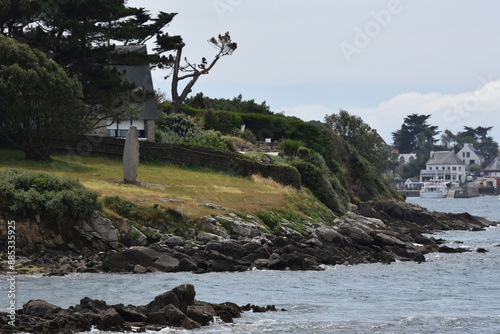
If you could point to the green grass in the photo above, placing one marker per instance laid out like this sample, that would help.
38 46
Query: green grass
164 181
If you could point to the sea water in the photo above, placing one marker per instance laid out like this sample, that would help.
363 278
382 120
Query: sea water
449 293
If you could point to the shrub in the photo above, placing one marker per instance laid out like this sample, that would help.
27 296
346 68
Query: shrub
291 147
211 120
61 200
228 122
248 136
183 125
211 138
167 137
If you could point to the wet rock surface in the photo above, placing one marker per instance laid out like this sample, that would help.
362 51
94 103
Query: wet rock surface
388 231
175 308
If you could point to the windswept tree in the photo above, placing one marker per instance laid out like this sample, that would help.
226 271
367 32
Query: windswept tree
38 101
193 71
360 135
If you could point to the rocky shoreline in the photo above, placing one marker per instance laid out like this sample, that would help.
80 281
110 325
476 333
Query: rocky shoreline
383 232
176 308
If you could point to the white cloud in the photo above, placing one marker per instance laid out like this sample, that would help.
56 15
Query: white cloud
448 111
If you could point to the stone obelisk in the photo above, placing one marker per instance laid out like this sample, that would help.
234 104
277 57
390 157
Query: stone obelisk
131 157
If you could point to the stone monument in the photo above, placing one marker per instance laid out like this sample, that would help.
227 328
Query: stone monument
131 157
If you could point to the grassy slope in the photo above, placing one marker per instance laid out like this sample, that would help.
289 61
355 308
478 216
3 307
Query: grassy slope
163 181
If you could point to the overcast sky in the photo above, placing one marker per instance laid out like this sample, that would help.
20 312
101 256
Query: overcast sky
380 60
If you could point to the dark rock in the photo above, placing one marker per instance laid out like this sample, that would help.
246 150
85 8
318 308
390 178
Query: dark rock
40 308
446 249
174 316
481 250
259 309
126 260
185 293
227 311
246 307
190 324
271 308
110 321
203 313
157 318
130 315
161 301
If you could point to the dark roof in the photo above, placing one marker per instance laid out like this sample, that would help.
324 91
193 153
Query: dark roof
493 166
141 76
473 149
444 158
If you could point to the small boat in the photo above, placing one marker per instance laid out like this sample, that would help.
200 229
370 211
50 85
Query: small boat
434 188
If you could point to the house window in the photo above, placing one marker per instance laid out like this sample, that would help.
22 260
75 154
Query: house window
454 168
111 133
448 167
468 154
141 133
411 159
430 168
463 154
460 168
122 133
402 160
472 161
443 168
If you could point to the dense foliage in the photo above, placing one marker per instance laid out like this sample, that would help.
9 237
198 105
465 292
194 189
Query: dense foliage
60 200
413 133
237 104
38 101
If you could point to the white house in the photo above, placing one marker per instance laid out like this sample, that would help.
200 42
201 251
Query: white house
444 165
470 155
412 183
405 158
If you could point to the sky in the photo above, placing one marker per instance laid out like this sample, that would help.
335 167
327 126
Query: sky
379 60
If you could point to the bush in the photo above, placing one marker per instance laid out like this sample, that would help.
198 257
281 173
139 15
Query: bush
211 138
167 137
228 122
61 200
291 147
180 124
248 136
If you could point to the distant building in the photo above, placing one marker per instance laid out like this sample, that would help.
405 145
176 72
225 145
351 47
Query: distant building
444 165
470 155
405 158
145 122
493 169
413 184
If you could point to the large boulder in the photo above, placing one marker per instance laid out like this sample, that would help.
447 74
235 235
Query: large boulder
126 260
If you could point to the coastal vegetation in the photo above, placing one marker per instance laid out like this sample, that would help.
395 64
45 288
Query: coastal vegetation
166 187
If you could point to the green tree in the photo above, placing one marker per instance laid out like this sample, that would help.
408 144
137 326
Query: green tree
479 138
80 34
360 135
38 101
405 139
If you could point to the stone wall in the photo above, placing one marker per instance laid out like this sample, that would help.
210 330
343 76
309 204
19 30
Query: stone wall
228 162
